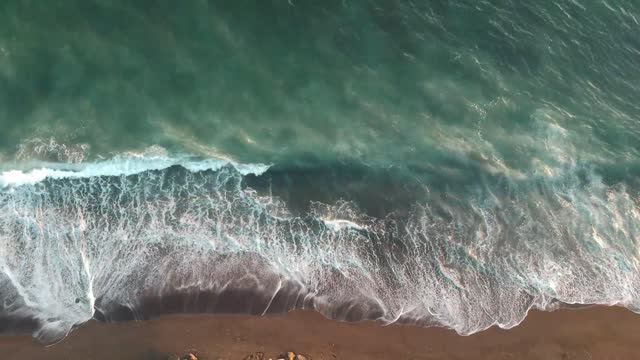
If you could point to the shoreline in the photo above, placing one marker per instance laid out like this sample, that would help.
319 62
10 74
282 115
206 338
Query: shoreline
597 332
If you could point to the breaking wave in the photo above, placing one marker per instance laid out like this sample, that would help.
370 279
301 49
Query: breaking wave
118 166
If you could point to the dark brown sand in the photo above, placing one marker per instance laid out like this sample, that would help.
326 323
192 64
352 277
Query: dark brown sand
594 333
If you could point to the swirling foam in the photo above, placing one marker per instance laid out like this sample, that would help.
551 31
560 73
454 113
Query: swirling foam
71 245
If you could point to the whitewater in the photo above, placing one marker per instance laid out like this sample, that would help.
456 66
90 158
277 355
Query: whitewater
136 237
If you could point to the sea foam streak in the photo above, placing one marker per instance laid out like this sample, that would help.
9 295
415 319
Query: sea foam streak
119 165
102 243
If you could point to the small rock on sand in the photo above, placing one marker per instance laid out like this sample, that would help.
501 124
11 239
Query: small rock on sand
292 356
255 356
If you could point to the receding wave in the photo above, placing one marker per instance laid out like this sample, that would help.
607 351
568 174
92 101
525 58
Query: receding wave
134 239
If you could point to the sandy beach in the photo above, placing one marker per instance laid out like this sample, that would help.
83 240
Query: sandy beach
593 333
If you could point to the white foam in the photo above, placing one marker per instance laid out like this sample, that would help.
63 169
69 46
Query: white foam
339 224
118 166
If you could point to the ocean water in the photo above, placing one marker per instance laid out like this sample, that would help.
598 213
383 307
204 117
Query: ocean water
448 163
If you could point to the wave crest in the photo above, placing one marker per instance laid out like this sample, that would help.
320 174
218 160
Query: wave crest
122 165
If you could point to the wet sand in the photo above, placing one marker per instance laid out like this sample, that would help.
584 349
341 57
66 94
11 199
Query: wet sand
593 333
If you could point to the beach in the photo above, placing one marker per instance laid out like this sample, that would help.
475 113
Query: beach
591 333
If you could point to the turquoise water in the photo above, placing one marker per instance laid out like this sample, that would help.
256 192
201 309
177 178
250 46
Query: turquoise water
437 162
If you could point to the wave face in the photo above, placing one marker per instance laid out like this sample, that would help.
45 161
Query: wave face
170 240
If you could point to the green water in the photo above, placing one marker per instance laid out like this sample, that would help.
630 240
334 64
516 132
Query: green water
380 82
